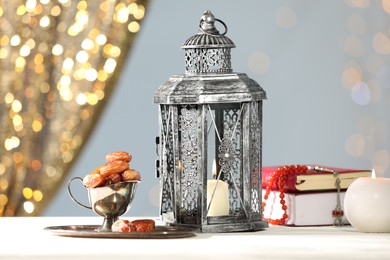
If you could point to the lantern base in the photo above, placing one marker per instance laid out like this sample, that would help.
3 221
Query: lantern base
235 227
227 227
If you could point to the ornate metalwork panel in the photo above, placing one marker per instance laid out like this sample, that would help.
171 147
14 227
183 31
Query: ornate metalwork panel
203 60
255 156
189 182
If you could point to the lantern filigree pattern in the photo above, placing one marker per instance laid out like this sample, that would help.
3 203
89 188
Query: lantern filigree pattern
188 130
255 155
207 115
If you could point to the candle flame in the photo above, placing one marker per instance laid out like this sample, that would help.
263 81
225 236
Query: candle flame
373 175
180 166
214 169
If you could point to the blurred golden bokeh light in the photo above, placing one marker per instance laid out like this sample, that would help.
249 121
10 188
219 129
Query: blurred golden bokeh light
59 62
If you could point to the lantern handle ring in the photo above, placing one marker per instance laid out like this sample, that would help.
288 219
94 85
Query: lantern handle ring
216 19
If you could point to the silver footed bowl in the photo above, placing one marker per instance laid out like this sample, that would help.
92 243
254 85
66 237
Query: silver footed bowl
109 201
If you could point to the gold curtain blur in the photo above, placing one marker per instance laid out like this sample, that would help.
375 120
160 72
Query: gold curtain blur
59 62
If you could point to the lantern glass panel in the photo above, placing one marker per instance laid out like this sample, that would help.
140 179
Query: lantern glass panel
167 167
226 131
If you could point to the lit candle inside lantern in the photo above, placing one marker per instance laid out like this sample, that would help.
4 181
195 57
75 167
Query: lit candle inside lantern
180 166
218 194
367 204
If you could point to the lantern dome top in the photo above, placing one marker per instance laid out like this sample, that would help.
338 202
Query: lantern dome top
208 35
209 77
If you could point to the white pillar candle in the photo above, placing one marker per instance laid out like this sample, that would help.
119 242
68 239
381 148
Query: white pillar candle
217 194
367 204
220 200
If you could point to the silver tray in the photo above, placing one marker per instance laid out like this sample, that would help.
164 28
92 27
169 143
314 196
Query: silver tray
89 231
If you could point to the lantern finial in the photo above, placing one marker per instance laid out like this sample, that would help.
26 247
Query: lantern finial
206 24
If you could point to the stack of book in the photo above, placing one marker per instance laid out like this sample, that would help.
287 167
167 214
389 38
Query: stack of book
310 197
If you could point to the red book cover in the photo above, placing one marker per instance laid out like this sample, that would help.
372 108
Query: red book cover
314 179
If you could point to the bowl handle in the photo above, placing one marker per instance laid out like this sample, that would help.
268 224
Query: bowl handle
71 195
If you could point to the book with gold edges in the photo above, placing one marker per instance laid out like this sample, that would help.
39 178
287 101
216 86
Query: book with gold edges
314 180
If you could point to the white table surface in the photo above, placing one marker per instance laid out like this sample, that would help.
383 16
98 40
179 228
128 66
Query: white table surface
24 238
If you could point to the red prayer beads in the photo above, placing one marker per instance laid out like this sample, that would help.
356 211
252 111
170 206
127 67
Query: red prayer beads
279 177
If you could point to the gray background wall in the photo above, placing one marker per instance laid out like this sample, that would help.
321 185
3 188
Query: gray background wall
324 64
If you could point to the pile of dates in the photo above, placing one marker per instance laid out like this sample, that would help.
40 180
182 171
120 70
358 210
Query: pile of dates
117 169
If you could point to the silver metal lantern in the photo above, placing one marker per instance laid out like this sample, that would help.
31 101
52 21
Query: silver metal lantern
210 143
